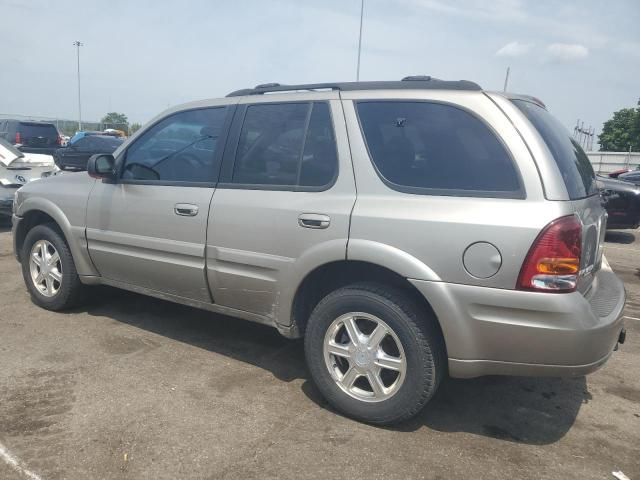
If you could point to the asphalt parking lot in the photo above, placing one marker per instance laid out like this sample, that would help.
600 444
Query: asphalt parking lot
132 387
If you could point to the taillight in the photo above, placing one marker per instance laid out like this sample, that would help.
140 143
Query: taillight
553 261
59 140
18 139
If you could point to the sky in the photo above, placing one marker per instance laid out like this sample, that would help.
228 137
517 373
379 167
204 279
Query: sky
582 58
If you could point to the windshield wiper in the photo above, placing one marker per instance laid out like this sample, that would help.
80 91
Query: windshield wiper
199 139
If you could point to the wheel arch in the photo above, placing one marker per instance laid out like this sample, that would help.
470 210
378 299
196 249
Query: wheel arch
39 211
331 276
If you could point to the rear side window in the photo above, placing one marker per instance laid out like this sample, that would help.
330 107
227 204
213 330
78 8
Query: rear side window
288 144
438 149
573 163
101 143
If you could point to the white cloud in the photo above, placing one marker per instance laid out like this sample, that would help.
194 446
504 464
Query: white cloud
567 52
514 49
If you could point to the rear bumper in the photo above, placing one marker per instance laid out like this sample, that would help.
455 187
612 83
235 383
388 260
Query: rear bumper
491 331
42 150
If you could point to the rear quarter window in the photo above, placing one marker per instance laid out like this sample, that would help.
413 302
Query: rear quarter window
575 168
436 149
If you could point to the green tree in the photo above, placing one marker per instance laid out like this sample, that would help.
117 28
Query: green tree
134 127
115 120
621 132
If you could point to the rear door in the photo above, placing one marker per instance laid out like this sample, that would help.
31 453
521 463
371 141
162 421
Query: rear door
148 229
283 201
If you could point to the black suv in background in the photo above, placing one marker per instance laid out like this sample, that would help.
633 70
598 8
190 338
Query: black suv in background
76 155
31 137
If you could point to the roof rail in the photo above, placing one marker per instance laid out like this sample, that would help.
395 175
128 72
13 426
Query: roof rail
408 83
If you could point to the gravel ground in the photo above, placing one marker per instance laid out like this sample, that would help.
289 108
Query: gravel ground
131 387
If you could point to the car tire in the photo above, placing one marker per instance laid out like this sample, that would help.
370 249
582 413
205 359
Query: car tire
419 362
46 241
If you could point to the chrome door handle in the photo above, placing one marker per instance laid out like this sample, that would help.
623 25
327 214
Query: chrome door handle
185 209
314 220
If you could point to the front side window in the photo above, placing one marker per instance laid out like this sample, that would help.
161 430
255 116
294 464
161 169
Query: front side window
179 148
435 148
288 144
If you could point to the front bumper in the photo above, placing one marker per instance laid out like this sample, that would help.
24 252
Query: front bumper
6 201
491 331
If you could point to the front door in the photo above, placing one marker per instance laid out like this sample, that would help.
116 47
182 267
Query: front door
149 228
282 204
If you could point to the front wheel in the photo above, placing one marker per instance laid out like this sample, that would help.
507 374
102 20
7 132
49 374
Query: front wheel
49 270
374 353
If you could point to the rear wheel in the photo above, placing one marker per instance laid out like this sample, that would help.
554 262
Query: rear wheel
48 269
373 353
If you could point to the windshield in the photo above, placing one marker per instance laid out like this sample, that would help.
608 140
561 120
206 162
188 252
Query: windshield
572 162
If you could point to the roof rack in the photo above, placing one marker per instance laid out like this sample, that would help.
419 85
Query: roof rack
418 82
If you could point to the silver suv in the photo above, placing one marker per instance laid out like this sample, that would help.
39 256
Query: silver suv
407 230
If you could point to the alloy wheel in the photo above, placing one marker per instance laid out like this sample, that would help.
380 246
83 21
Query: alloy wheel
364 357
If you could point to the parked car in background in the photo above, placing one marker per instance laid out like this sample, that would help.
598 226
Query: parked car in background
76 155
631 177
31 137
617 173
622 202
472 245
115 132
17 169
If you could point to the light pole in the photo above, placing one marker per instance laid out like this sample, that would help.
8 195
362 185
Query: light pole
78 44
506 79
360 40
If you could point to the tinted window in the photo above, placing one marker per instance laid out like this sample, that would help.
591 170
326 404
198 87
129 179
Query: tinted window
82 143
104 143
270 144
572 162
180 148
319 159
286 144
436 149
27 129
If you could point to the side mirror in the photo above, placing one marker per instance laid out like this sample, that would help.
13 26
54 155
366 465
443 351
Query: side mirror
102 165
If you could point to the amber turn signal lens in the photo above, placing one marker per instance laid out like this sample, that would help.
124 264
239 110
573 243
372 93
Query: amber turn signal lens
559 266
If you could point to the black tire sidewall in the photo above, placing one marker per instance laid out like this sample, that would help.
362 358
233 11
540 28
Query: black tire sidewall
420 381
70 282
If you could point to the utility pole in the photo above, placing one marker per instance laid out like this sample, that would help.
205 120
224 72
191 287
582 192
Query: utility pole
506 79
360 40
79 44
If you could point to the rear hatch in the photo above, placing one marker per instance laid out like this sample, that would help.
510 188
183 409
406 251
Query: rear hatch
580 181
37 135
